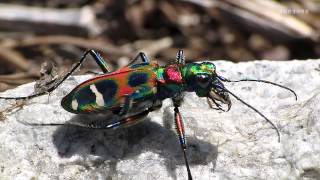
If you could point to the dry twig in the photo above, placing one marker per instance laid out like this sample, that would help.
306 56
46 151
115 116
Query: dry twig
14 58
48 20
63 40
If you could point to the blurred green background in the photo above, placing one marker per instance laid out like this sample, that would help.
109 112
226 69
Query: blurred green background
59 31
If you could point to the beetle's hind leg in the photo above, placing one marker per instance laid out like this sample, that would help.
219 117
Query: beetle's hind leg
96 56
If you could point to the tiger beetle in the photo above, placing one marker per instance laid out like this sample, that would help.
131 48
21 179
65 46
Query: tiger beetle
140 87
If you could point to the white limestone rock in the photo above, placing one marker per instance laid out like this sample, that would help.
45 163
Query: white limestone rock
238 144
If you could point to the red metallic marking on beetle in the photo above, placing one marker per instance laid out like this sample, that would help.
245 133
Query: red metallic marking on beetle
173 74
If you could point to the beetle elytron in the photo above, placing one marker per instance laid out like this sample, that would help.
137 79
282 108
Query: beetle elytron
139 88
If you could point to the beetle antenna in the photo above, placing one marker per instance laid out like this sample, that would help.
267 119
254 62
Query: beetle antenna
262 81
251 107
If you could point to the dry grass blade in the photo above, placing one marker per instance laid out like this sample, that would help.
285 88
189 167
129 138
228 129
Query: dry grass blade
272 21
276 13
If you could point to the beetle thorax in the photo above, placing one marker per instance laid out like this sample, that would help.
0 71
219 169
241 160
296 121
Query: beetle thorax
170 81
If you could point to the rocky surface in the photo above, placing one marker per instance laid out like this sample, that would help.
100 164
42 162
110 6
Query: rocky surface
238 144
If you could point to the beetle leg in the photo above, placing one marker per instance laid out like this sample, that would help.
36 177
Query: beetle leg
126 121
180 57
182 138
157 104
99 60
143 58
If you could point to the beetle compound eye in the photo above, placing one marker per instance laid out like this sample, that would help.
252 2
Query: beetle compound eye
203 80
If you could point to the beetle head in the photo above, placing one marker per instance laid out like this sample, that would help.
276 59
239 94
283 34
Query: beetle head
204 81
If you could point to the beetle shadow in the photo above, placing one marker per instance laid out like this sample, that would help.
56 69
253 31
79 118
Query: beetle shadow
112 146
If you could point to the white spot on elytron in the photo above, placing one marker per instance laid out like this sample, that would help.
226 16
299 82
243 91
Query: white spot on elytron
99 97
154 89
74 104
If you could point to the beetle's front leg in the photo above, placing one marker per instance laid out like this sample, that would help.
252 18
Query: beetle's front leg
182 138
180 57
